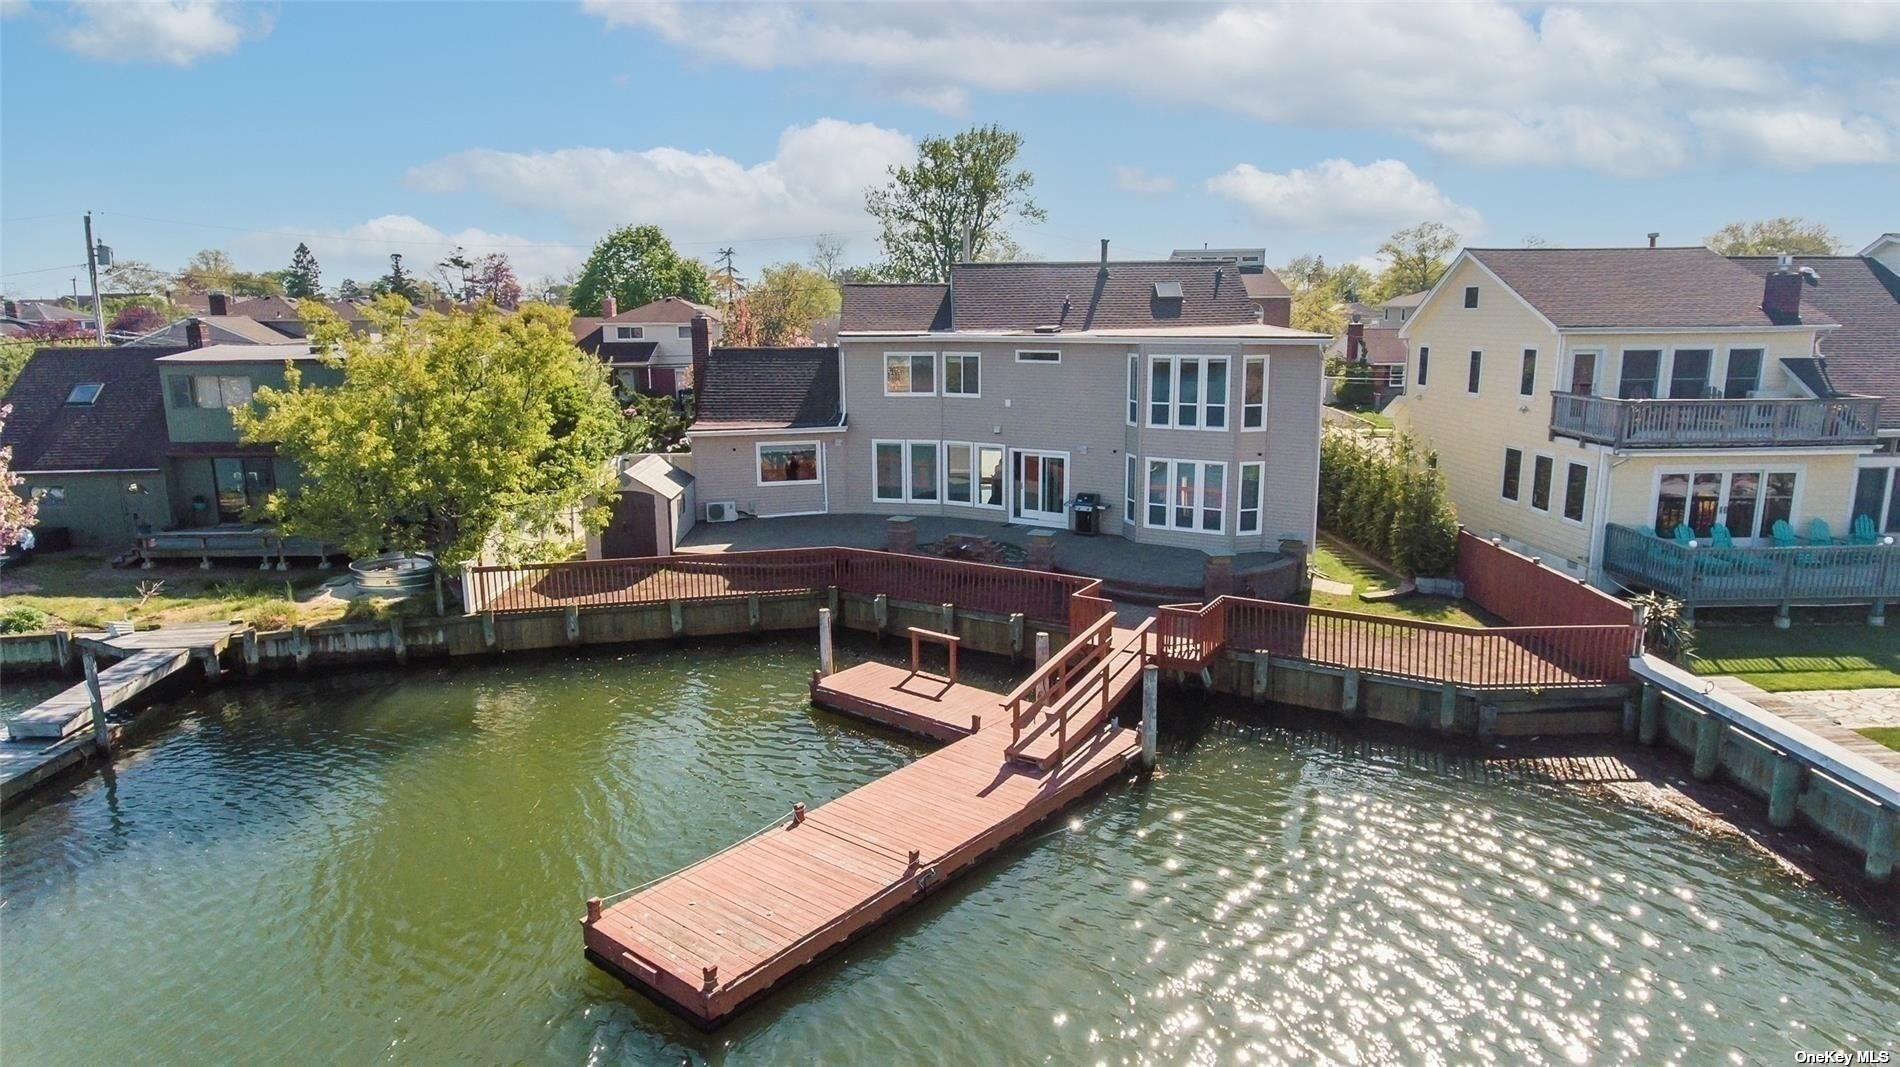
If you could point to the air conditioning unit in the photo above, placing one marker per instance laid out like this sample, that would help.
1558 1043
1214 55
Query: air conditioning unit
721 511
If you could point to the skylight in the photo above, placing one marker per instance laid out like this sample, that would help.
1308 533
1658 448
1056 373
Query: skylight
85 393
1167 290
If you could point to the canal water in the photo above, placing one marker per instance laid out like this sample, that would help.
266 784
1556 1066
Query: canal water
387 866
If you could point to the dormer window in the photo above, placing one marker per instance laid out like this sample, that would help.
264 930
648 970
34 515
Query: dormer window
83 394
1168 291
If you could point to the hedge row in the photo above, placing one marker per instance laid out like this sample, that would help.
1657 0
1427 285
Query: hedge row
1388 498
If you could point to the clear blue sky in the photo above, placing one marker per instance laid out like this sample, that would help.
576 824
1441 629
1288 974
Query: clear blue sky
534 127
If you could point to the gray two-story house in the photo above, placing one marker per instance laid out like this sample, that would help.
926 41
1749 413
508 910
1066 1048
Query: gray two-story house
1006 392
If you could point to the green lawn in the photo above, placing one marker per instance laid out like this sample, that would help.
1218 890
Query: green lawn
1340 564
1886 735
1378 419
82 590
1802 657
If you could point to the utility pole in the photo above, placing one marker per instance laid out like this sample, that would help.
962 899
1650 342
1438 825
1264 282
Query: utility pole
92 270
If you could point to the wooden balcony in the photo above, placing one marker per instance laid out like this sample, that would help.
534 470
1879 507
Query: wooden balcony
1707 576
1714 423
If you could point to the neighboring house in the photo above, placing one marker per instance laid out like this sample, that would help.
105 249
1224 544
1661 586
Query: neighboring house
1250 260
42 314
1569 391
1270 296
1862 293
1002 395
88 438
1379 347
216 330
1396 310
649 348
1353 309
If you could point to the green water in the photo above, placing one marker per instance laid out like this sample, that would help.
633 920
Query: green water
389 867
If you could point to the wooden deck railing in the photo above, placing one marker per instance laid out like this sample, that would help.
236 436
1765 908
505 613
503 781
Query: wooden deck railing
1714 423
1510 657
1040 596
1063 684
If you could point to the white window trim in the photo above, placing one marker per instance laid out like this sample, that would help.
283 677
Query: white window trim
1519 500
1424 357
758 461
629 333
1395 375
1559 511
1134 389
1537 358
1200 488
1797 518
1056 352
1662 357
943 462
1667 375
1132 491
1260 505
1148 388
936 372
1478 352
1470 297
1200 404
1569 369
909 489
1266 385
976 475
943 375
1718 376
1530 494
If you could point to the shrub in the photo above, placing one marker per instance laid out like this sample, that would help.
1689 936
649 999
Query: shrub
1390 500
1667 630
23 619
273 615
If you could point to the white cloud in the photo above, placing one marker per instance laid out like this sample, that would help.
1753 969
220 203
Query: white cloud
813 184
1338 194
362 251
1137 180
178 32
1798 139
1611 87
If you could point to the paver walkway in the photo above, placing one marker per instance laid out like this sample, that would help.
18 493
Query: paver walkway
1833 713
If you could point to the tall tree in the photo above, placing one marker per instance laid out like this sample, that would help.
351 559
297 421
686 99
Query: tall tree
1416 257
350 289
17 513
827 256
398 282
304 280
963 186
1767 237
208 271
494 279
457 272
134 276
787 300
447 433
637 265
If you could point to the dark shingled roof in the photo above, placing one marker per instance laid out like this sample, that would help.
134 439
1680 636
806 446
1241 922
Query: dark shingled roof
1863 356
1638 288
124 429
1074 296
768 389
1265 285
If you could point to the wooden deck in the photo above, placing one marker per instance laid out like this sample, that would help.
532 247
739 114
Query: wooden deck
712 938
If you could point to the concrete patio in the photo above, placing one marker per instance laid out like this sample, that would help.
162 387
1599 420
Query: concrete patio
1129 569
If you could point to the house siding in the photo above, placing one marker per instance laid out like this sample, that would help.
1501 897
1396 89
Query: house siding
727 469
97 510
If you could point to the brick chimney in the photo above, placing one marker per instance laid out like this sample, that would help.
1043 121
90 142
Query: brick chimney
609 307
220 304
13 309
1781 294
702 349
1356 341
197 334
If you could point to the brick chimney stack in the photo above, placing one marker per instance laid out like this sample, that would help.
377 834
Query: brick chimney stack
1355 341
609 307
702 349
220 304
1781 293
197 334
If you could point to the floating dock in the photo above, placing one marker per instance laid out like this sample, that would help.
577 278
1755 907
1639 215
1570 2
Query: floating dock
714 937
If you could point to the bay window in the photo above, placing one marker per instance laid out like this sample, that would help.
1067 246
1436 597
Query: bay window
1187 392
1187 495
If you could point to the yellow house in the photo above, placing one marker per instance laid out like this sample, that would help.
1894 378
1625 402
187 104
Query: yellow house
1578 396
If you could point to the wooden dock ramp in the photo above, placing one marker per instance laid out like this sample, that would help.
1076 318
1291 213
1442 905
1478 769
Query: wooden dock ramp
710 939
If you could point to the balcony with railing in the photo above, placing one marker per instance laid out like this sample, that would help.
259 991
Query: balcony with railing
1717 423
1702 574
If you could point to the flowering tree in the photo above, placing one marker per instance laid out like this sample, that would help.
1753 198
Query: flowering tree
136 318
17 513
58 330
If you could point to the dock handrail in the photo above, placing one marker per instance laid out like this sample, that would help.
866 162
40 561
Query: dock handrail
1051 680
1098 653
950 642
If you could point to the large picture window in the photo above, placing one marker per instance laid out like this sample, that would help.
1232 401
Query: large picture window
1746 503
1188 392
910 374
1638 378
1187 495
795 461
972 474
961 374
220 390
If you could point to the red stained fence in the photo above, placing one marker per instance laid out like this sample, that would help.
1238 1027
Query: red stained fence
1050 599
1521 591
1513 657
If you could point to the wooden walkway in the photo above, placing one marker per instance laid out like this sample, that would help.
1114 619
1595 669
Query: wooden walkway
712 938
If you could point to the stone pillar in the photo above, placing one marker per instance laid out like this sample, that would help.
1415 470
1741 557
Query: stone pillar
900 534
1217 576
1042 551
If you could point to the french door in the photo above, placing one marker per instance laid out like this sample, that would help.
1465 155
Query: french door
1039 486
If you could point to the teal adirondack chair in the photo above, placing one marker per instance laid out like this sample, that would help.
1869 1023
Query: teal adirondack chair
1783 534
1819 533
1720 536
1863 531
1683 534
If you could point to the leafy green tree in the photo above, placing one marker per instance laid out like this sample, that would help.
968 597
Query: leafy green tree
304 280
1767 237
398 282
637 265
133 276
1389 499
1416 257
655 424
787 300
964 185
208 271
447 433
350 290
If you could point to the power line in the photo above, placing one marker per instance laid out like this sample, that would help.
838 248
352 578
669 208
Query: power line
41 270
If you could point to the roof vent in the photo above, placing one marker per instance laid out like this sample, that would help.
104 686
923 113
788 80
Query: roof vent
1168 291
1052 328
